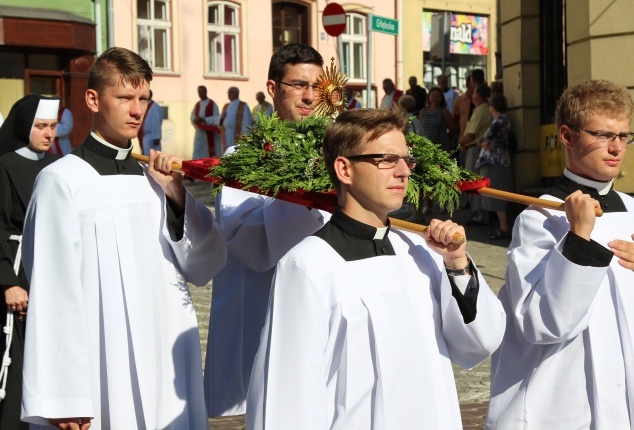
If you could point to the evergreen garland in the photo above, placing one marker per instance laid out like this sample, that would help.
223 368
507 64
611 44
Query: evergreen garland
285 155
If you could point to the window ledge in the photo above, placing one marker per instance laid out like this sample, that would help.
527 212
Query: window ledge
166 73
226 77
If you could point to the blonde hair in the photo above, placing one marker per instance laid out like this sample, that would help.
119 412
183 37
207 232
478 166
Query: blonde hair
580 102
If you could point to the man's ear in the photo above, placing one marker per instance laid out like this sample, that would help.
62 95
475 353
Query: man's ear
271 88
92 100
343 170
565 136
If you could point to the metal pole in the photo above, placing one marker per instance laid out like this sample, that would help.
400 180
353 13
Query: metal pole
369 85
340 52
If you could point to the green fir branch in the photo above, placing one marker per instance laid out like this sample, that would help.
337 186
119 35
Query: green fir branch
284 155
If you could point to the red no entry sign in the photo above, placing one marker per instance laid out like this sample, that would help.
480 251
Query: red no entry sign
334 19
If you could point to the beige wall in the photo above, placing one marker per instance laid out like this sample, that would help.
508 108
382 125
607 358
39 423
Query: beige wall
599 34
12 90
600 38
412 29
519 20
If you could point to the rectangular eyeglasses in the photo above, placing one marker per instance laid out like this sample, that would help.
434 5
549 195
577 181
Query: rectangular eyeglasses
385 161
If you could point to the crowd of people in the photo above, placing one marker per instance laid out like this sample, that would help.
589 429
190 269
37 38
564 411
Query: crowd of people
318 320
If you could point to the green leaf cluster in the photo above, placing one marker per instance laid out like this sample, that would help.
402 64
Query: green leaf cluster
285 155
436 174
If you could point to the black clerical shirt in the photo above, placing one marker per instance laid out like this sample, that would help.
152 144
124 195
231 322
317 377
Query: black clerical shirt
104 160
354 240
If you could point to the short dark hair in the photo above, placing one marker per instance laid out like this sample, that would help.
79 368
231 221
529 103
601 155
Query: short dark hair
118 66
484 91
498 101
353 129
477 76
293 53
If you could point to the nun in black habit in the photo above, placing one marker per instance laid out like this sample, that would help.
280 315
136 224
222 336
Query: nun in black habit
25 139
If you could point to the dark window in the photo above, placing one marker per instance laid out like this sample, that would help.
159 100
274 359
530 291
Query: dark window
290 24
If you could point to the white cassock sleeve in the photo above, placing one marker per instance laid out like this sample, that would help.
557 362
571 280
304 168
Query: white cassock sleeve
57 360
202 250
470 344
260 229
289 378
551 297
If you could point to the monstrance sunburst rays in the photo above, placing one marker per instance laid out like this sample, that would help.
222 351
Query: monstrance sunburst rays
331 92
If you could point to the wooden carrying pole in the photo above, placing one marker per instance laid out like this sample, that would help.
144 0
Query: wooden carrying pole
397 223
527 200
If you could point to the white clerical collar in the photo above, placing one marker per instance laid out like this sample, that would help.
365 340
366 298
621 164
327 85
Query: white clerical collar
602 187
380 233
27 152
122 153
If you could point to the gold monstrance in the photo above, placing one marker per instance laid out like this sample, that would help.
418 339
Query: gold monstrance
331 87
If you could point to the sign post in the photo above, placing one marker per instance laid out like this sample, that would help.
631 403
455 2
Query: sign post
382 25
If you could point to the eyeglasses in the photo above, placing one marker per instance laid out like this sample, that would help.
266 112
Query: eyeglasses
604 138
387 161
300 86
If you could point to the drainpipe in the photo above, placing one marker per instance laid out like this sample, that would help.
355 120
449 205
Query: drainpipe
399 46
110 7
98 45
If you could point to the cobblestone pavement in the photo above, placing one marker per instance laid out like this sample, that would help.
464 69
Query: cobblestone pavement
473 385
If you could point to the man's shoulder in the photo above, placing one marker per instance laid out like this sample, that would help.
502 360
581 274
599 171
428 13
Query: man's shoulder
481 112
66 167
312 253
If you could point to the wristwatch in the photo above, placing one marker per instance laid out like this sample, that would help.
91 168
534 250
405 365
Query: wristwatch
459 272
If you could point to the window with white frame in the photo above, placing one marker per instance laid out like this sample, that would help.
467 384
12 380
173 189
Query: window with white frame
154 25
223 33
354 41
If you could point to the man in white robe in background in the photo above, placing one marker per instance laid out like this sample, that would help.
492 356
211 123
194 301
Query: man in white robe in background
566 361
236 118
205 118
364 322
259 231
109 246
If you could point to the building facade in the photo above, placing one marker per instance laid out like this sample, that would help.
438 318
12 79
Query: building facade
548 45
536 47
450 38
47 48
223 43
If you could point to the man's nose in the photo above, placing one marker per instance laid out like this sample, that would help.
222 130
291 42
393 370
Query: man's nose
401 169
137 109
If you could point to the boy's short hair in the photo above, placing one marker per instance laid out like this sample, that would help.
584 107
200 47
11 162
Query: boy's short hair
293 53
353 129
596 96
117 66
